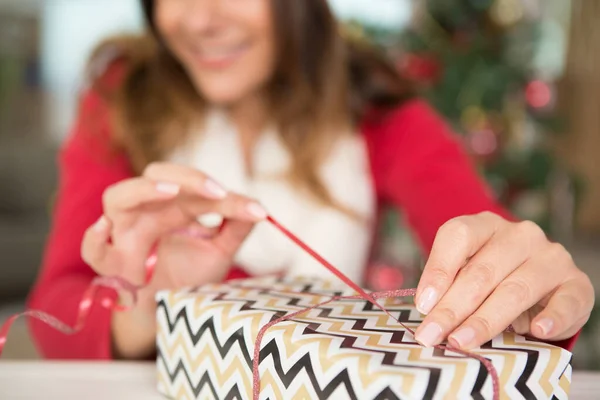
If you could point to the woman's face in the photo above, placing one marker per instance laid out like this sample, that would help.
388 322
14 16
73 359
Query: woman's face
226 46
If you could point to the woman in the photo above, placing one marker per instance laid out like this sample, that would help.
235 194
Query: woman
232 108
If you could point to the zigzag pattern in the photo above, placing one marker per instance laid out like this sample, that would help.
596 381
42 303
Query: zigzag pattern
203 383
207 326
354 334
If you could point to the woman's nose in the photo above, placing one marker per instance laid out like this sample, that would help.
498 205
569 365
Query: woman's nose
203 16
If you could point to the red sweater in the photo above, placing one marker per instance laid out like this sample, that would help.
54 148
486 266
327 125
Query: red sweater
417 165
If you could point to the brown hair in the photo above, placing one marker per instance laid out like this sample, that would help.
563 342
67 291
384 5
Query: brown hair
335 82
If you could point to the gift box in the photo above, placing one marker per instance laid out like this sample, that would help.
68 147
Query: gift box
346 349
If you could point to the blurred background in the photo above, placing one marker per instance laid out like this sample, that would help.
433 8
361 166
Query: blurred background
519 80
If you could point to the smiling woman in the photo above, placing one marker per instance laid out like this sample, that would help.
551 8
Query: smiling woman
258 108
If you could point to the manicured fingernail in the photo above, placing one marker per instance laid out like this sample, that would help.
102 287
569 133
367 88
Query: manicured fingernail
168 188
210 220
427 300
195 233
101 225
215 189
430 335
256 210
463 337
546 325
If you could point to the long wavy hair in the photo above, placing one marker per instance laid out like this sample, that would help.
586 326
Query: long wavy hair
323 84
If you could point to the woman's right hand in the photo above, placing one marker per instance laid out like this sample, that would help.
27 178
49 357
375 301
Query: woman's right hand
159 211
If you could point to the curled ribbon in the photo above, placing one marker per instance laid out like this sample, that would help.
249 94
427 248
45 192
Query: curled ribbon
117 283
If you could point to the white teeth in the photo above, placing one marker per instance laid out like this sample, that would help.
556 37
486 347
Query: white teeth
219 53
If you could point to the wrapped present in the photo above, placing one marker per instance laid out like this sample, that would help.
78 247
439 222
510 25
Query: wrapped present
346 349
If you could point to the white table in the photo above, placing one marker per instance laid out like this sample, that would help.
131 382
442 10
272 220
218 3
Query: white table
24 380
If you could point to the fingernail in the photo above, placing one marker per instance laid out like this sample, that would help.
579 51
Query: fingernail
430 335
546 325
195 233
215 189
101 225
168 188
210 220
463 337
427 300
256 210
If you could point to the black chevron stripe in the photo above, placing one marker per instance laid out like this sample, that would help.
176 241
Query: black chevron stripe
388 356
564 371
208 326
305 363
403 313
388 394
233 394
532 359
482 376
325 311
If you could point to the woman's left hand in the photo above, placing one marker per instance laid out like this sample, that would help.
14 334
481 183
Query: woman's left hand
485 273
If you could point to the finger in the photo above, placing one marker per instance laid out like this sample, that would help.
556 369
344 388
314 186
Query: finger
134 193
233 207
95 246
232 236
456 241
514 296
567 311
474 283
198 231
190 179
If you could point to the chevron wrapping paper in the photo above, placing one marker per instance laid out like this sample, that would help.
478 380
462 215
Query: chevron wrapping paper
347 349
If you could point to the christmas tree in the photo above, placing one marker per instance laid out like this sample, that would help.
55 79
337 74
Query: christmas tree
478 63
483 64
489 67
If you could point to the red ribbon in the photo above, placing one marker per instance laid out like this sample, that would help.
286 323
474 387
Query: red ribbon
117 283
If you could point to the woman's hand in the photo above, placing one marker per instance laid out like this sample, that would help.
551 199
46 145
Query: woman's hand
159 211
485 273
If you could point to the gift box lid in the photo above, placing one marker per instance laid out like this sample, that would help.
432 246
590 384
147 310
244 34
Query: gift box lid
347 348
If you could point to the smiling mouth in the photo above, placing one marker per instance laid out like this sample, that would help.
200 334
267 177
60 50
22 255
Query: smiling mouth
218 57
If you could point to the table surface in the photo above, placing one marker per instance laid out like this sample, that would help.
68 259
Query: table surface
25 380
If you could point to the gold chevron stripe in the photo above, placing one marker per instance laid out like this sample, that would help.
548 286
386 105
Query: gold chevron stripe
183 393
565 383
267 379
363 360
509 362
302 394
221 375
201 305
285 332
551 366
374 340
162 379
460 366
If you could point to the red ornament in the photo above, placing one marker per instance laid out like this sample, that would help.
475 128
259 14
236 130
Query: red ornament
385 277
420 68
538 94
484 142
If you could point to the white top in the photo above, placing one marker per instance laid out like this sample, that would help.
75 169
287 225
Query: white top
343 241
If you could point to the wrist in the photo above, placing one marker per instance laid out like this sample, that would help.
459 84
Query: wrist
133 331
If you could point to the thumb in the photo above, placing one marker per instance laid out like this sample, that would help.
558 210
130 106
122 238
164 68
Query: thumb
232 235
